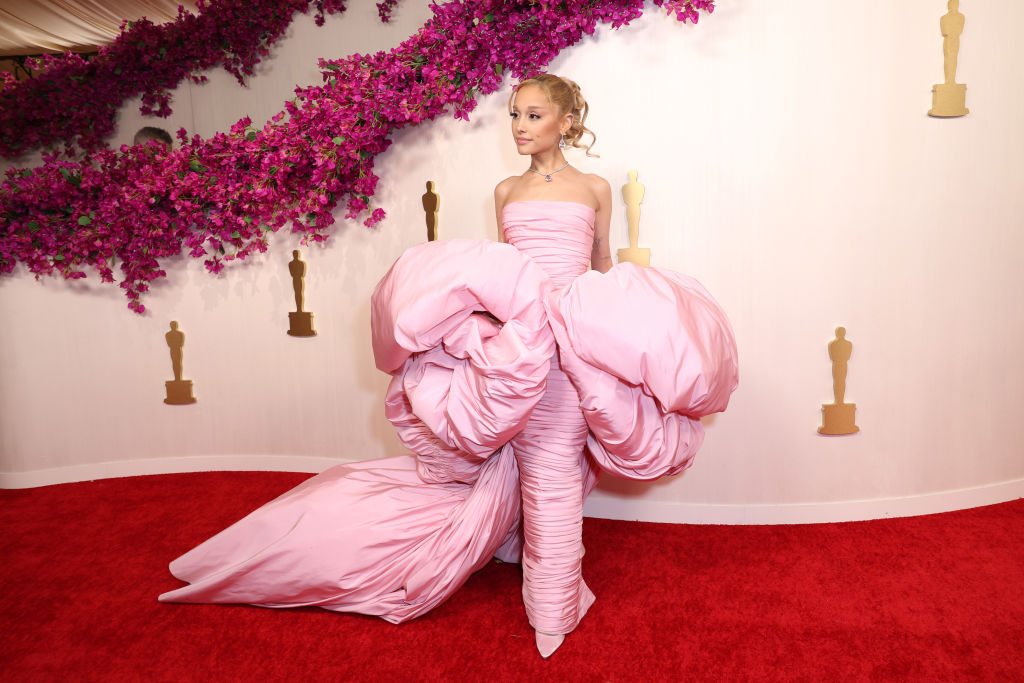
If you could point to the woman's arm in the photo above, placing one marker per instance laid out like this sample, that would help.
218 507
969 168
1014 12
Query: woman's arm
501 191
601 255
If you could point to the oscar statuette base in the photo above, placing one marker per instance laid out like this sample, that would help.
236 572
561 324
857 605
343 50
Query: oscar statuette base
301 324
949 100
838 419
179 392
641 256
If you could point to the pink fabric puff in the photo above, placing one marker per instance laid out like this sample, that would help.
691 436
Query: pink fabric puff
650 352
463 383
367 537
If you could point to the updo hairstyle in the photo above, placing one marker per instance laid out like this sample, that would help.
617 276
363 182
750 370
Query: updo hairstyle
566 96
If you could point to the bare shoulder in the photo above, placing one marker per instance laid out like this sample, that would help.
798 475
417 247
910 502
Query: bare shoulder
599 186
502 189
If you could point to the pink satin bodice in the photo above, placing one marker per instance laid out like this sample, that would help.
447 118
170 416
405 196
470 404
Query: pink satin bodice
558 236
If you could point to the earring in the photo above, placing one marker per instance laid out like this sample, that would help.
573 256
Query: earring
561 142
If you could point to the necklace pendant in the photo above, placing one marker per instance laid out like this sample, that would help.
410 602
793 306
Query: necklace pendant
547 176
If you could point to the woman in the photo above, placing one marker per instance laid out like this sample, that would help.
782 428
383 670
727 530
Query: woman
559 217
500 378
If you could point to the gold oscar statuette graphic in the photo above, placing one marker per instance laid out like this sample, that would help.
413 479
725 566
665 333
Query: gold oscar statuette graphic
179 391
838 418
949 99
431 205
300 323
633 195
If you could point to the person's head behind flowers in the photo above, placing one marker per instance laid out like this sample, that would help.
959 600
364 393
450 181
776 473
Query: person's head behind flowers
152 133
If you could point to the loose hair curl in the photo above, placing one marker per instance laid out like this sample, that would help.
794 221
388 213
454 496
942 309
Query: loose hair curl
564 94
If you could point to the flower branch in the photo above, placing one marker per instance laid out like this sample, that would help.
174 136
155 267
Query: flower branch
218 198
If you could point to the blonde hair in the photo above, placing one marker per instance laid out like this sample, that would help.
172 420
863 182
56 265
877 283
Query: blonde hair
566 96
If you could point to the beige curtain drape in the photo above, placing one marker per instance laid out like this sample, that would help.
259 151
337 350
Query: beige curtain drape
35 26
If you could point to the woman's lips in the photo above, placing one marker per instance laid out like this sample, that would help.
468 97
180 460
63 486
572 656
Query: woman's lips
522 141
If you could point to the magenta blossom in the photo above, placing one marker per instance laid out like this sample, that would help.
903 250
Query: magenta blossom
218 198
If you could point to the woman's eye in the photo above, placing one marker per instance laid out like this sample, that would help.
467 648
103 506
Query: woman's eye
534 116
513 115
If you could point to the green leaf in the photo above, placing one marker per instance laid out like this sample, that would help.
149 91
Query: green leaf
33 226
84 220
196 166
338 140
364 154
58 257
333 67
248 220
488 18
250 136
498 68
235 235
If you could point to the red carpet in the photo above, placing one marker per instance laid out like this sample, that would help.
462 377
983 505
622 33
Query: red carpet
937 598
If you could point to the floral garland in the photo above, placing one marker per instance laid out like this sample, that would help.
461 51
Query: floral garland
76 101
384 9
218 198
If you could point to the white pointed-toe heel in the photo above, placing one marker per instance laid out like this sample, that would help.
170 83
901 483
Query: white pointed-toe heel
548 643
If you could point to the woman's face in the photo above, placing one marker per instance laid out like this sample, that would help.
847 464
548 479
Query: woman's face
536 123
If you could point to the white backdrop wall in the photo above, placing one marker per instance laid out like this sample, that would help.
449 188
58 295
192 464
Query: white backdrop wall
789 165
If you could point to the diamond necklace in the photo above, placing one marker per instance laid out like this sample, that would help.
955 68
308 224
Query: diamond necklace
547 176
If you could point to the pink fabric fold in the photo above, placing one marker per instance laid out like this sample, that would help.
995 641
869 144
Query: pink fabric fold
369 537
650 352
463 383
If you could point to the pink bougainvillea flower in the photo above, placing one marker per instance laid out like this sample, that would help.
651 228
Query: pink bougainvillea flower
217 199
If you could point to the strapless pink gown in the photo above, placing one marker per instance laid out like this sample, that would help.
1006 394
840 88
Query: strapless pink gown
516 375
554 475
